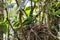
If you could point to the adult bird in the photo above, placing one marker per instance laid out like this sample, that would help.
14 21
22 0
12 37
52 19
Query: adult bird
28 21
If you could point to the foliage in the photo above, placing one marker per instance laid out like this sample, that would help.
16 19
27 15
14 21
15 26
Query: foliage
17 16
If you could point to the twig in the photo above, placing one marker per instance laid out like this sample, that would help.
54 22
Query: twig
28 35
24 12
20 14
11 25
35 34
32 8
17 2
13 30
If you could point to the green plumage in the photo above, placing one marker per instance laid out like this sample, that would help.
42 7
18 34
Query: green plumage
28 20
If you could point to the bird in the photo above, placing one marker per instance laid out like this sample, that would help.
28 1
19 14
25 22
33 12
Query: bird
28 21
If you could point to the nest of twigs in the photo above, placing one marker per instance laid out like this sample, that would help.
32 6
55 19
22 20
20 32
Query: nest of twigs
38 32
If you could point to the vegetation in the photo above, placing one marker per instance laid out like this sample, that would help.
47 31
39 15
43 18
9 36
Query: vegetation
29 19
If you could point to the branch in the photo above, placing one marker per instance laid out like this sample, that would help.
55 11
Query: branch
32 8
11 25
13 30
20 14
35 34
24 12
17 2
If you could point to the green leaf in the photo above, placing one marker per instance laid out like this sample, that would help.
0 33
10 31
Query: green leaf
4 27
35 0
58 4
16 24
57 12
52 10
28 9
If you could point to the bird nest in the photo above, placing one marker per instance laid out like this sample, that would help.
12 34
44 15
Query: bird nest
38 32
